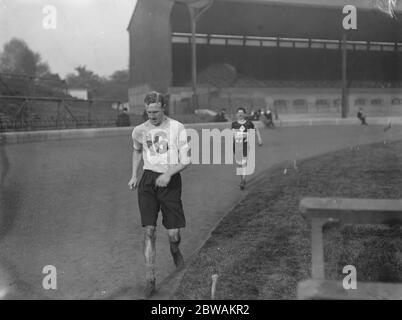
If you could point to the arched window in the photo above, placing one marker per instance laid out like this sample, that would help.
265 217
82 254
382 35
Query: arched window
322 102
299 102
376 102
280 103
360 102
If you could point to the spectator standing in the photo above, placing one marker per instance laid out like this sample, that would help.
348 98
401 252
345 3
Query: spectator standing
362 117
269 120
123 119
221 116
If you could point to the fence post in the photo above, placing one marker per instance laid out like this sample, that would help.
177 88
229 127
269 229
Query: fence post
58 114
89 113
317 246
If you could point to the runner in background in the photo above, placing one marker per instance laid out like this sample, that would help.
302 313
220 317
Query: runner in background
240 129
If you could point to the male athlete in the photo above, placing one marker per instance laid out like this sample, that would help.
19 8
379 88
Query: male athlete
240 130
162 143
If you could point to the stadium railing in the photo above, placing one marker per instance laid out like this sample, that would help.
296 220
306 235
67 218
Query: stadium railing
346 211
53 124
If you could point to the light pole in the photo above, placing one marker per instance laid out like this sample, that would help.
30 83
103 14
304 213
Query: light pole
345 100
193 56
196 8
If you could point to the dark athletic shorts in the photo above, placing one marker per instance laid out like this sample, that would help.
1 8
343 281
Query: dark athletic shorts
151 199
238 150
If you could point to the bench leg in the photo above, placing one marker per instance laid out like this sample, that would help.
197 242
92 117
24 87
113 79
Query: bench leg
317 246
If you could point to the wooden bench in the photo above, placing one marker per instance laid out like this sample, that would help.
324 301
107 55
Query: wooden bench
346 211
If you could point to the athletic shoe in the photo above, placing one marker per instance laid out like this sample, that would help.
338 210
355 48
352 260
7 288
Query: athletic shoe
178 259
242 184
149 289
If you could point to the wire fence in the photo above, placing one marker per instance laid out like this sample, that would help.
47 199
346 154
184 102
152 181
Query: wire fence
20 113
45 103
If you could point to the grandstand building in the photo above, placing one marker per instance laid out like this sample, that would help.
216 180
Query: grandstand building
284 55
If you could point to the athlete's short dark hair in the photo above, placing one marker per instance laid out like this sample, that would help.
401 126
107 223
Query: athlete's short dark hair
242 109
154 97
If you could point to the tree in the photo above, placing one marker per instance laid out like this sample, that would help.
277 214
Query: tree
86 79
17 58
114 87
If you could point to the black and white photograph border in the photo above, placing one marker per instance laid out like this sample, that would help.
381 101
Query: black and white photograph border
202 150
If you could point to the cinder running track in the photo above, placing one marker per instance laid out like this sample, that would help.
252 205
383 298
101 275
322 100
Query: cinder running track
67 204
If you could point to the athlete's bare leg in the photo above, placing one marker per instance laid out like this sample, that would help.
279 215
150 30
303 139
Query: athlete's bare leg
149 254
243 176
174 241
150 251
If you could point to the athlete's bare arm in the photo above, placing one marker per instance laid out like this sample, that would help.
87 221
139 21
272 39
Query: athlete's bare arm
177 168
164 178
137 158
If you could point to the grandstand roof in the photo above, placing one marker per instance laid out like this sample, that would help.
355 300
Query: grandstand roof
273 18
362 4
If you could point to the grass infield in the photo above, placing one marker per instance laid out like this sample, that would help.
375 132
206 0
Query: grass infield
262 248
